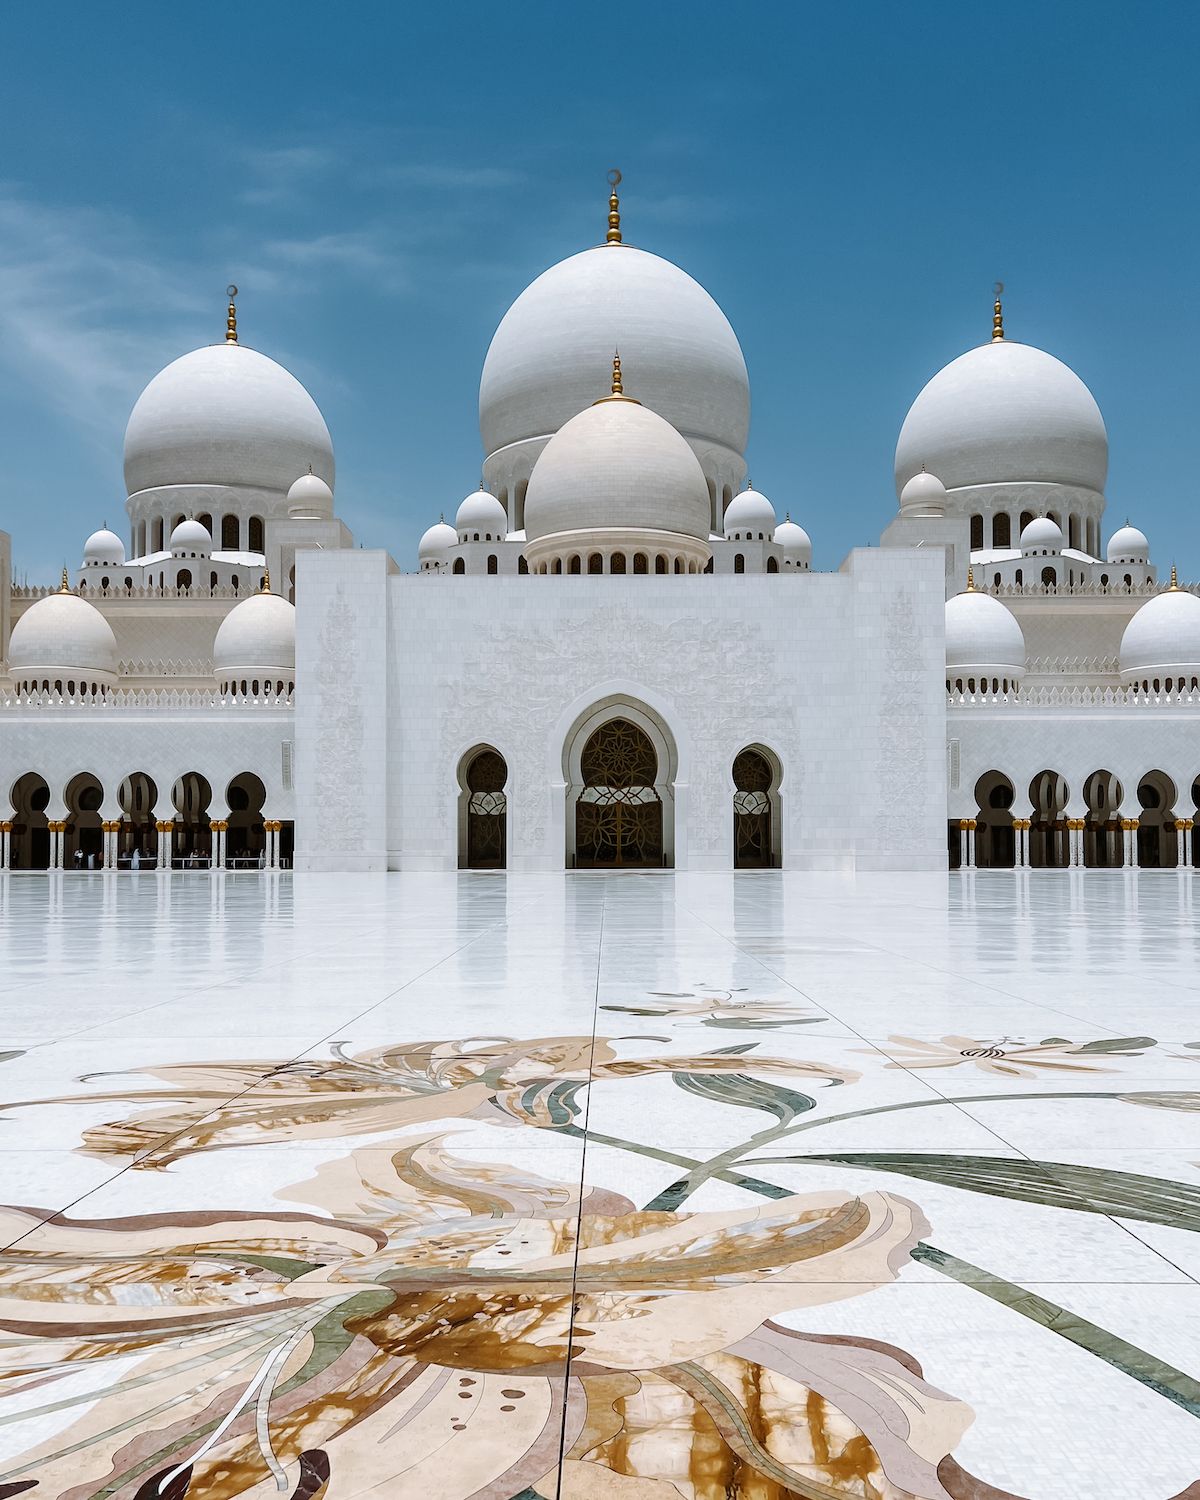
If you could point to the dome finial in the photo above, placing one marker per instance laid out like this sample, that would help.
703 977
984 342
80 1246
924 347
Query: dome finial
1174 579
617 388
613 237
231 316
65 588
998 314
970 580
266 583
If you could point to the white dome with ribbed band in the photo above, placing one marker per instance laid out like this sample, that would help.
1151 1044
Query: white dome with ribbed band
256 637
191 538
983 637
615 466
481 518
1128 544
750 516
1163 638
63 636
225 414
542 365
1005 413
103 546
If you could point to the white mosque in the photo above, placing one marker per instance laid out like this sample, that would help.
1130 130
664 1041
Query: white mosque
618 654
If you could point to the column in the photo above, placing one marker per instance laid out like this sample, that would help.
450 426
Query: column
1183 838
58 845
968 826
1075 836
1021 840
1129 828
5 844
272 831
217 827
163 862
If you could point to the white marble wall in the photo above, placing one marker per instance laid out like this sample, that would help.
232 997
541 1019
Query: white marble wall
840 675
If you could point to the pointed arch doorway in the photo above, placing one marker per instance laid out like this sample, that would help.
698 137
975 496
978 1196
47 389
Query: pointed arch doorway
620 785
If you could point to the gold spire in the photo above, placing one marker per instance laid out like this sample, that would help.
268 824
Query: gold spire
65 588
231 316
998 315
970 580
618 390
1174 578
613 237
266 583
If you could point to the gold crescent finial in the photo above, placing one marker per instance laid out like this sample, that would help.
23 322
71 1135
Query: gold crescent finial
266 583
1174 577
617 388
613 237
998 314
64 587
970 580
231 316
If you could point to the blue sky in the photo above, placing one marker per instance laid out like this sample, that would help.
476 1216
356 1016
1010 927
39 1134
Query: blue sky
383 180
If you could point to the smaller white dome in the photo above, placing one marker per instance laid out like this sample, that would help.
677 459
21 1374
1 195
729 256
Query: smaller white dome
436 542
983 637
256 640
924 495
1128 544
797 547
481 518
61 638
1162 640
103 546
750 517
1040 536
310 498
191 536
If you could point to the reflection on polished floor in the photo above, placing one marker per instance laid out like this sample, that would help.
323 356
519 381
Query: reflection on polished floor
626 1186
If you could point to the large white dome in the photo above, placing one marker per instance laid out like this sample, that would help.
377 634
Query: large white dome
257 638
617 466
541 368
226 415
983 637
1162 640
1004 413
63 636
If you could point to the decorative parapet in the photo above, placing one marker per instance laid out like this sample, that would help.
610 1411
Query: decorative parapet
1073 666
1074 697
252 584
171 668
1035 590
139 701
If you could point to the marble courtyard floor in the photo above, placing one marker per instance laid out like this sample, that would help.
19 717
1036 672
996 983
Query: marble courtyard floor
628 1187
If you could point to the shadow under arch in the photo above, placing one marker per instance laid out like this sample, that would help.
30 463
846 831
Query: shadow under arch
620 765
482 809
757 774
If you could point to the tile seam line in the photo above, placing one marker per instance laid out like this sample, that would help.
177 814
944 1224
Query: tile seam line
587 1110
242 1093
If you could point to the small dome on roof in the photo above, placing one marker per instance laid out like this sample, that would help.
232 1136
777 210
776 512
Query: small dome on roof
983 637
1128 544
481 518
436 542
1162 641
749 517
103 546
61 638
1042 535
617 465
924 495
797 547
191 536
310 498
256 640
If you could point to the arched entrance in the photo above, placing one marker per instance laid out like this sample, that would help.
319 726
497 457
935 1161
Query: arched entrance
29 842
1102 838
84 849
1157 839
483 811
995 838
192 837
137 843
1049 839
615 797
245 838
755 818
